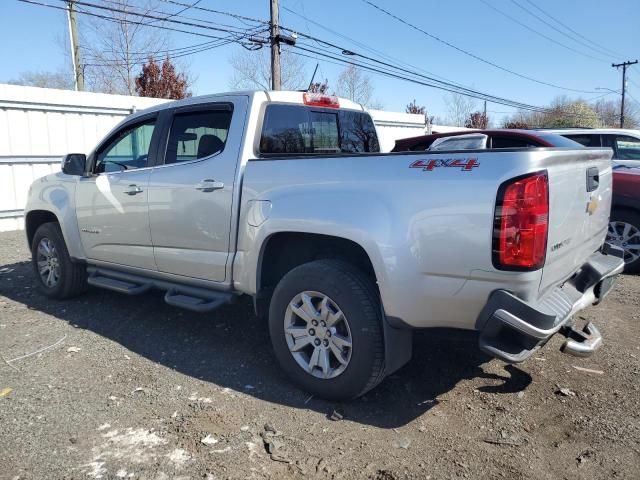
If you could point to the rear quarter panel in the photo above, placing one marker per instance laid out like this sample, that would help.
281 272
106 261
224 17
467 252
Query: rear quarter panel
428 233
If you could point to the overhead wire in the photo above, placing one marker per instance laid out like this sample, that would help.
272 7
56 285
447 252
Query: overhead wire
470 54
564 25
531 29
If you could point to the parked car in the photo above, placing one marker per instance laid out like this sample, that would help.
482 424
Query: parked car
624 227
624 142
284 196
487 138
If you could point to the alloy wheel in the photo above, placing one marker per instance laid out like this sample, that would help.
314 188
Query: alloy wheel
318 334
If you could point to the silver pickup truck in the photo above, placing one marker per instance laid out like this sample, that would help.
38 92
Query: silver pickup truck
284 196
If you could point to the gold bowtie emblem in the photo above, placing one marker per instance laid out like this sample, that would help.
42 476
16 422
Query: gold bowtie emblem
592 206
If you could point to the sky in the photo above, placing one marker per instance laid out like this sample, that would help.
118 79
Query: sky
34 38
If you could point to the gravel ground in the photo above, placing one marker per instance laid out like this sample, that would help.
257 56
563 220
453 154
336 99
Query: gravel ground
133 388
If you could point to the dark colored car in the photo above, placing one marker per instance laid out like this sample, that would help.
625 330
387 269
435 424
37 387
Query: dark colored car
624 226
496 138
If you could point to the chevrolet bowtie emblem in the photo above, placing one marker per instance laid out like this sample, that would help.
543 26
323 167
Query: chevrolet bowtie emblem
592 206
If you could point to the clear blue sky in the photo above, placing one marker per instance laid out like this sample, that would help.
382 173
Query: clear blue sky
31 38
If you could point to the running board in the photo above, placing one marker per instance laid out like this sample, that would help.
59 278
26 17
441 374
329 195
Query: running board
120 286
197 304
178 295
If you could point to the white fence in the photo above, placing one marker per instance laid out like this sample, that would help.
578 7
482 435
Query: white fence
40 125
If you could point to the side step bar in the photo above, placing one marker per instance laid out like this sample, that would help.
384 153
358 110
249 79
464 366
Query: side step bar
184 296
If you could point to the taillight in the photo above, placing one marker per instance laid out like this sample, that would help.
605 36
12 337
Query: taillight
321 100
521 223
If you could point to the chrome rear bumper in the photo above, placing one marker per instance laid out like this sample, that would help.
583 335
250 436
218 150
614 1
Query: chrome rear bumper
514 329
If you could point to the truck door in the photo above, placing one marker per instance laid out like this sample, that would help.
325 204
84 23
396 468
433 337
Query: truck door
191 192
111 204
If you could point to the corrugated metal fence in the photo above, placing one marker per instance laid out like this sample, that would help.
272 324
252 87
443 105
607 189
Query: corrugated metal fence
40 125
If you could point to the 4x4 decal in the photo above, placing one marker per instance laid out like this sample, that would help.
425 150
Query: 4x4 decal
465 164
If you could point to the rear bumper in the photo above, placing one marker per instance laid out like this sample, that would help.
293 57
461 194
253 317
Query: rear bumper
513 329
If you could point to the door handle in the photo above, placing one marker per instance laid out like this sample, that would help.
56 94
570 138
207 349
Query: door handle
133 190
593 179
209 185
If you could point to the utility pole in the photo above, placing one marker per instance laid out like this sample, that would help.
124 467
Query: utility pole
275 46
485 114
78 72
624 66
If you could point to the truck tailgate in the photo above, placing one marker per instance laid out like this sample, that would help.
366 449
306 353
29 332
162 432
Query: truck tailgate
579 206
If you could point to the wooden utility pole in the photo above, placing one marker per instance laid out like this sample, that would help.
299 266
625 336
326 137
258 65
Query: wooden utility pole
276 83
78 72
624 66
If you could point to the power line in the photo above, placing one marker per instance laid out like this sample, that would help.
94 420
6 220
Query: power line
366 47
472 55
211 10
596 45
146 24
531 29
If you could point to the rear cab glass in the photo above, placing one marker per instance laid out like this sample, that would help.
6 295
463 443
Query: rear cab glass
298 129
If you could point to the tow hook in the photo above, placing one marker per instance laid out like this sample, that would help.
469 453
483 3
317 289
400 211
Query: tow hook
581 343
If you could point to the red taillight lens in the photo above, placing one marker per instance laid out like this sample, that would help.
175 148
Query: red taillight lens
521 223
320 100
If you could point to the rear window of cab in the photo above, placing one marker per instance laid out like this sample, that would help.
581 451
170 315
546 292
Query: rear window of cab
296 129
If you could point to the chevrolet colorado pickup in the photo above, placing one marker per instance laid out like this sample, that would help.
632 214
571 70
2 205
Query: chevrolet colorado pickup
284 196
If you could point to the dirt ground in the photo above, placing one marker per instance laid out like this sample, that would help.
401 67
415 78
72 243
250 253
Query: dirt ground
129 387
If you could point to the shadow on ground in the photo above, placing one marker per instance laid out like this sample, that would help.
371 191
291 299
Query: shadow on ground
231 348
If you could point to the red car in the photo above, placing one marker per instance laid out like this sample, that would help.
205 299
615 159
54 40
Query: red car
624 226
481 139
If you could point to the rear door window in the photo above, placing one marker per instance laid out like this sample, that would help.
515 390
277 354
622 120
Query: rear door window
295 129
197 134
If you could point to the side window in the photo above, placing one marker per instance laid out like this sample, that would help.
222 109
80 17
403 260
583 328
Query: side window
592 140
627 148
357 133
196 135
128 150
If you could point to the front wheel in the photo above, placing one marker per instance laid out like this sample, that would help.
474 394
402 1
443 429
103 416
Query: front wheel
56 275
624 232
325 324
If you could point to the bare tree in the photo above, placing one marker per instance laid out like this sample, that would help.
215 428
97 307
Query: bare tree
113 49
459 108
62 80
609 113
355 85
252 70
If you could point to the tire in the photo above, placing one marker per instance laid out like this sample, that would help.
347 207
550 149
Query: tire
624 231
71 278
350 293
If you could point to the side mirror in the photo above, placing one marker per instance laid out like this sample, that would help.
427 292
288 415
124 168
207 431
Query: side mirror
74 164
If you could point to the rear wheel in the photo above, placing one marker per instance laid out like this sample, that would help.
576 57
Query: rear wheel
326 330
624 232
56 275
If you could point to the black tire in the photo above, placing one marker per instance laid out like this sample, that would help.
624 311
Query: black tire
632 218
355 294
72 279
